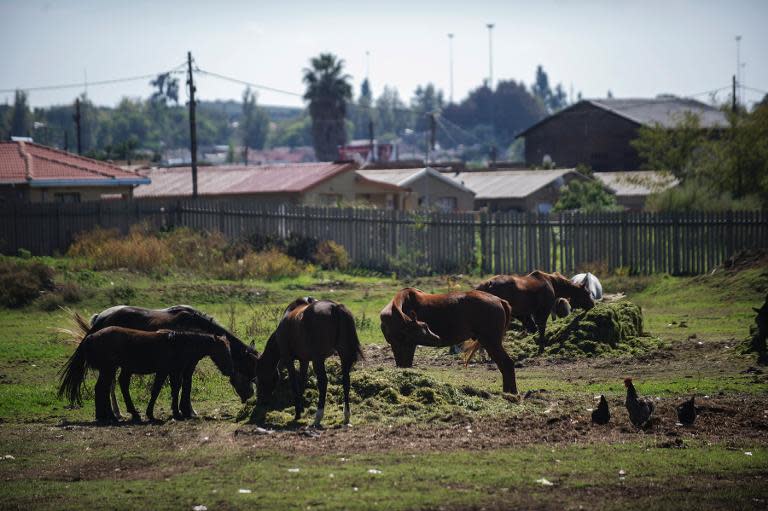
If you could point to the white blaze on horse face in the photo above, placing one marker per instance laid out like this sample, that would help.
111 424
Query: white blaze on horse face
319 416
346 414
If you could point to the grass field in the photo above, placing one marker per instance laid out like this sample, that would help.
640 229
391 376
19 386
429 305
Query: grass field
438 436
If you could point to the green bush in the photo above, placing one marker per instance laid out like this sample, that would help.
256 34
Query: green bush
331 256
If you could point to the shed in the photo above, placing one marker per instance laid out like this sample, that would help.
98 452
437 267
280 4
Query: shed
516 190
632 188
430 188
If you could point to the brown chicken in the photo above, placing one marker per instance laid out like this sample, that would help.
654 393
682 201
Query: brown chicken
640 409
601 414
686 412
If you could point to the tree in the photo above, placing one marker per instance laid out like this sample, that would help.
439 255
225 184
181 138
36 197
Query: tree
587 196
20 116
363 112
254 124
393 115
328 91
552 100
167 89
425 101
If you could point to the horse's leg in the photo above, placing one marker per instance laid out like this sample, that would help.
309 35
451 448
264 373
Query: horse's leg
541 325
504 363
103 384
113 399
528 323
125 383
322 387
156 386
298 397
303 369
186 393
175 388
345 368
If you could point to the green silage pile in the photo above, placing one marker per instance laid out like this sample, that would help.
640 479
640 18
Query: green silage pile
608 329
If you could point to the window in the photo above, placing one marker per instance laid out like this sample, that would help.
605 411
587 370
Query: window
446 204
67 198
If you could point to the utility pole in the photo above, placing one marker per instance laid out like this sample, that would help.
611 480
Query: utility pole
490 55
432 130
192 124
493 157
76 117
450 64
66 141
738 63
372 150
733 95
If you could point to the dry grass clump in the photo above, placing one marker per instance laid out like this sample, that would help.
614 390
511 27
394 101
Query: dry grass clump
105 249
331 256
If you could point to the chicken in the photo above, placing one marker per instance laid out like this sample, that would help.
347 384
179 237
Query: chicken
686 412
640 409
601 414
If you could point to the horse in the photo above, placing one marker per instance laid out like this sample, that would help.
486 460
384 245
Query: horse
164 353
178 317
414 317
592 283
533 296
310 330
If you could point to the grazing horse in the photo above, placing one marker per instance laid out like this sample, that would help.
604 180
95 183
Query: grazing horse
533 296
310 330
178 317
592 283
164 353
414 317
562 309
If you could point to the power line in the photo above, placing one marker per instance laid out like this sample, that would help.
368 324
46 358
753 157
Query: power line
101 82
250 84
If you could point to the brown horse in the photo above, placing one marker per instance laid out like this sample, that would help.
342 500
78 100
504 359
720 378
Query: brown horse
164 353
311 330
414 317
181 318
533 296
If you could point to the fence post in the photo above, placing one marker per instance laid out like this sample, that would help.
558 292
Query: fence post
484 248
624 250
729 228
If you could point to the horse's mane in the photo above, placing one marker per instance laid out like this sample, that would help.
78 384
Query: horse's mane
234 341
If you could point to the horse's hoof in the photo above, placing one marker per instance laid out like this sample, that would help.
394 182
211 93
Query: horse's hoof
136 419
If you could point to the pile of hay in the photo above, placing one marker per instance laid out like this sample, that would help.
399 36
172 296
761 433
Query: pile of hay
608 329
382 395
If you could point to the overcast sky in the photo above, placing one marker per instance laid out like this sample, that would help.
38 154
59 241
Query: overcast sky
634 48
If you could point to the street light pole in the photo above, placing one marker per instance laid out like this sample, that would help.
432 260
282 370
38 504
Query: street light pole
490 55
450 62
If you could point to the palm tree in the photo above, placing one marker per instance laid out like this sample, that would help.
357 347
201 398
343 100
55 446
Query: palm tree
328 91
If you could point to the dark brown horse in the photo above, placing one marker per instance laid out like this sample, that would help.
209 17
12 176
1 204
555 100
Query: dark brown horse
310 330
533 296
180 318
414 317
164 353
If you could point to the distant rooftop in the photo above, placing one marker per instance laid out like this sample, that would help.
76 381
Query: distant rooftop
505 184
405 177
37 165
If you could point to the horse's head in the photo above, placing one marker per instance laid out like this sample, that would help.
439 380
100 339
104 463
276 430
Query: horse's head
222 357
581 297
403 332
266 370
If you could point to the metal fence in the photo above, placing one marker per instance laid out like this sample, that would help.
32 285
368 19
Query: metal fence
676 243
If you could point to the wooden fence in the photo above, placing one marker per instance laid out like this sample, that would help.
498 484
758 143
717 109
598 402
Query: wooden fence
688 243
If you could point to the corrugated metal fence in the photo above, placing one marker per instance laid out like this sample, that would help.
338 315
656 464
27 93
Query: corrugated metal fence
427 241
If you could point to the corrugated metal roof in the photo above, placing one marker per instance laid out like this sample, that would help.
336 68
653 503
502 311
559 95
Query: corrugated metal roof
405 177
509 184
636 183
235 180
24 162
665 111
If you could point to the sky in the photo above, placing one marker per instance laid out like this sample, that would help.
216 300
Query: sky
632 48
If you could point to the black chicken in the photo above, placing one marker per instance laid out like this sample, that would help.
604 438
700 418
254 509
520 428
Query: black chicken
686 412
601 414
640 409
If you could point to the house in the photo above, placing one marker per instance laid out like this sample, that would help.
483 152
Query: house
598 132
430 188
516 190
31 172
311 184
632 188
362 149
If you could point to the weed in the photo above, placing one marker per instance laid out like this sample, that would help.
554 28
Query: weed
121 294
22 281
331 256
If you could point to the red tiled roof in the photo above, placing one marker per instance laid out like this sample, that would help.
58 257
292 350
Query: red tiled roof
235 180
26 162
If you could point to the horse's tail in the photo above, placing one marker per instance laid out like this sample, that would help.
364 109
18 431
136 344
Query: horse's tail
468 350
507 313
346 321
72 375
80 328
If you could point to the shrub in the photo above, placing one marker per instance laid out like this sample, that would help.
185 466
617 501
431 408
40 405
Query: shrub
121 295
138 251
22 282
269 265
331 256
49 302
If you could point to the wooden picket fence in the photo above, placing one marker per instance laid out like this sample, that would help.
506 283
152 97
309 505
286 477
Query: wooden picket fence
421 242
